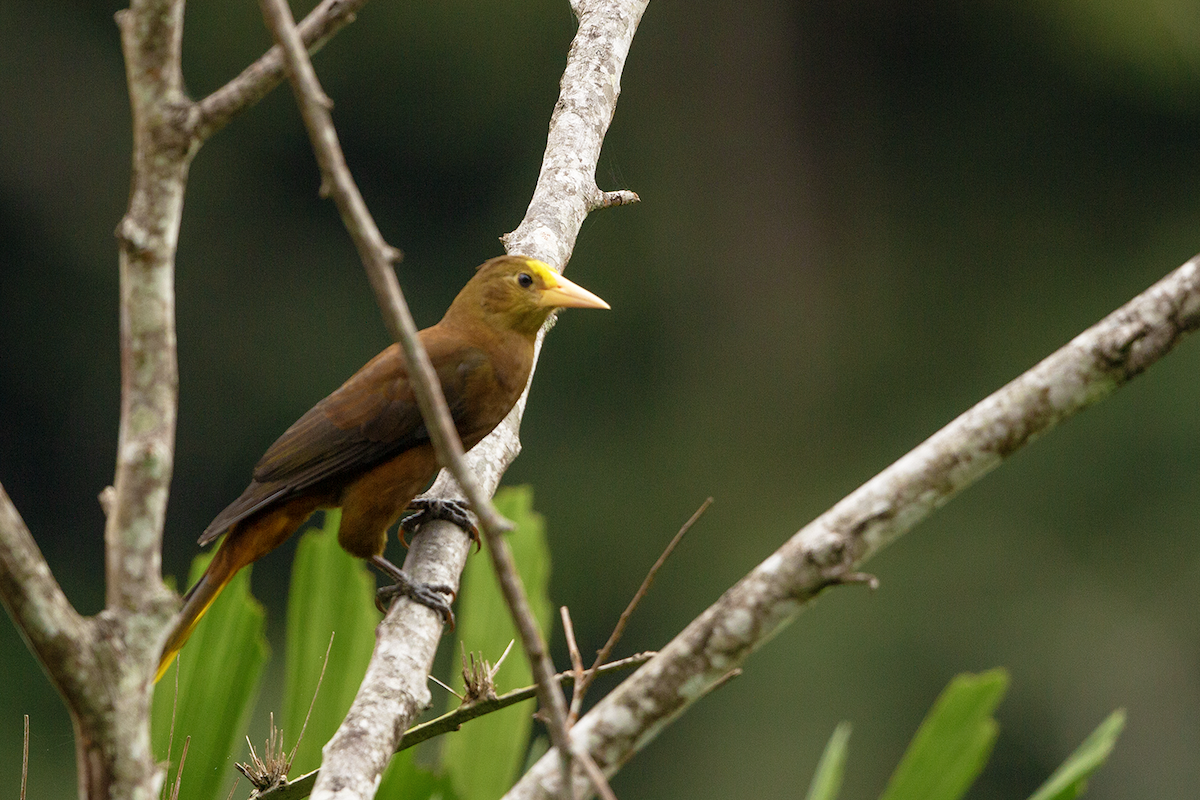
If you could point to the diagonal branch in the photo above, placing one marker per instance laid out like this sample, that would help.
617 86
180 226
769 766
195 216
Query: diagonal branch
257 80
376 254
47 620
828 550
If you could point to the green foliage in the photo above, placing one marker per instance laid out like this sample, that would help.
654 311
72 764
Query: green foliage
331 593
217 675
404 779
483 759
954 741
1069 780
952 746
827 780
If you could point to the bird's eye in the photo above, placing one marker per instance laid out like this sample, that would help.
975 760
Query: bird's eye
525 279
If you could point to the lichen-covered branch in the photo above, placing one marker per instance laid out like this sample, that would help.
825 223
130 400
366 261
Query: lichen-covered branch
829 549
34 600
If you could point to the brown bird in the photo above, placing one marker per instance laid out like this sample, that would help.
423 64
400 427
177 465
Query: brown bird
366 449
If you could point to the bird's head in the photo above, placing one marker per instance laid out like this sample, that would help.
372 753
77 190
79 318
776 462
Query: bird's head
518 294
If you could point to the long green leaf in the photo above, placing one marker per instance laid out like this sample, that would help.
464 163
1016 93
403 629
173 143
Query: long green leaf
483 759
404 780
331 593
827 780
954 741
218 675
1070 779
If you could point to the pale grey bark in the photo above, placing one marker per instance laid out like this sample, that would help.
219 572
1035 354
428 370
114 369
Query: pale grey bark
830 548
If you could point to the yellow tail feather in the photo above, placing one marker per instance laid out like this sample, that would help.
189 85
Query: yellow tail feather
195 603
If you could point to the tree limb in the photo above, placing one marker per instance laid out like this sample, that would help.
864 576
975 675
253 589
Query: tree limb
257 80
827 550
34 600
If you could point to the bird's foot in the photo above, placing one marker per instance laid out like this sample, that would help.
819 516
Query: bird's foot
428 508
430 595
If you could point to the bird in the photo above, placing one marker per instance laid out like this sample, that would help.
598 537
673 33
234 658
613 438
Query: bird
366 449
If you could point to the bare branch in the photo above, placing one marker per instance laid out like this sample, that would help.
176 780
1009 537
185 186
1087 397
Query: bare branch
572 646
585 683
550 700
827 550
257 80
25 759
33 598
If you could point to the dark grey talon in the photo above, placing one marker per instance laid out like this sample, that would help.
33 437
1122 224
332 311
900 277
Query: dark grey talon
430 595
429 508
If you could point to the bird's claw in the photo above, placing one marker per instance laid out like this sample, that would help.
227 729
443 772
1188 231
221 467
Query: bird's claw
430 595
429 508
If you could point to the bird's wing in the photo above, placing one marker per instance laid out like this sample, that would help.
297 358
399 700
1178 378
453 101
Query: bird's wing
370 418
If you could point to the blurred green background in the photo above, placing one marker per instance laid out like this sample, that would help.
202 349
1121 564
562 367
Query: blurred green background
858 218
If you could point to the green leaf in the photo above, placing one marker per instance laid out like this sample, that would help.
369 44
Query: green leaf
404 780
218 675
331 592
827 780
482 760
1070 779
954 741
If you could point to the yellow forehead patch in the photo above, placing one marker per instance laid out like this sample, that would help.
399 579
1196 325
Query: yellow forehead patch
545 274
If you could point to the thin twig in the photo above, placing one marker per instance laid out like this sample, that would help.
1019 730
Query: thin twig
25 758
565 192
311 703
593 772
550 699
377 257
576 658
174 712
572 645
179 772
585 683
257 80
452 720
443 684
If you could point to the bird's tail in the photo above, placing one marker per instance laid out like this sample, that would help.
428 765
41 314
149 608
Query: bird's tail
246 542
195 603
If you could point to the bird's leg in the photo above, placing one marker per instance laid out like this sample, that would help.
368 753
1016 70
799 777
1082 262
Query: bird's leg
427 508
429 595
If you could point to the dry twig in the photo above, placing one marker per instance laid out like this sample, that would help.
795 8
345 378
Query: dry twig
585 681
271 769
25 758
187 741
